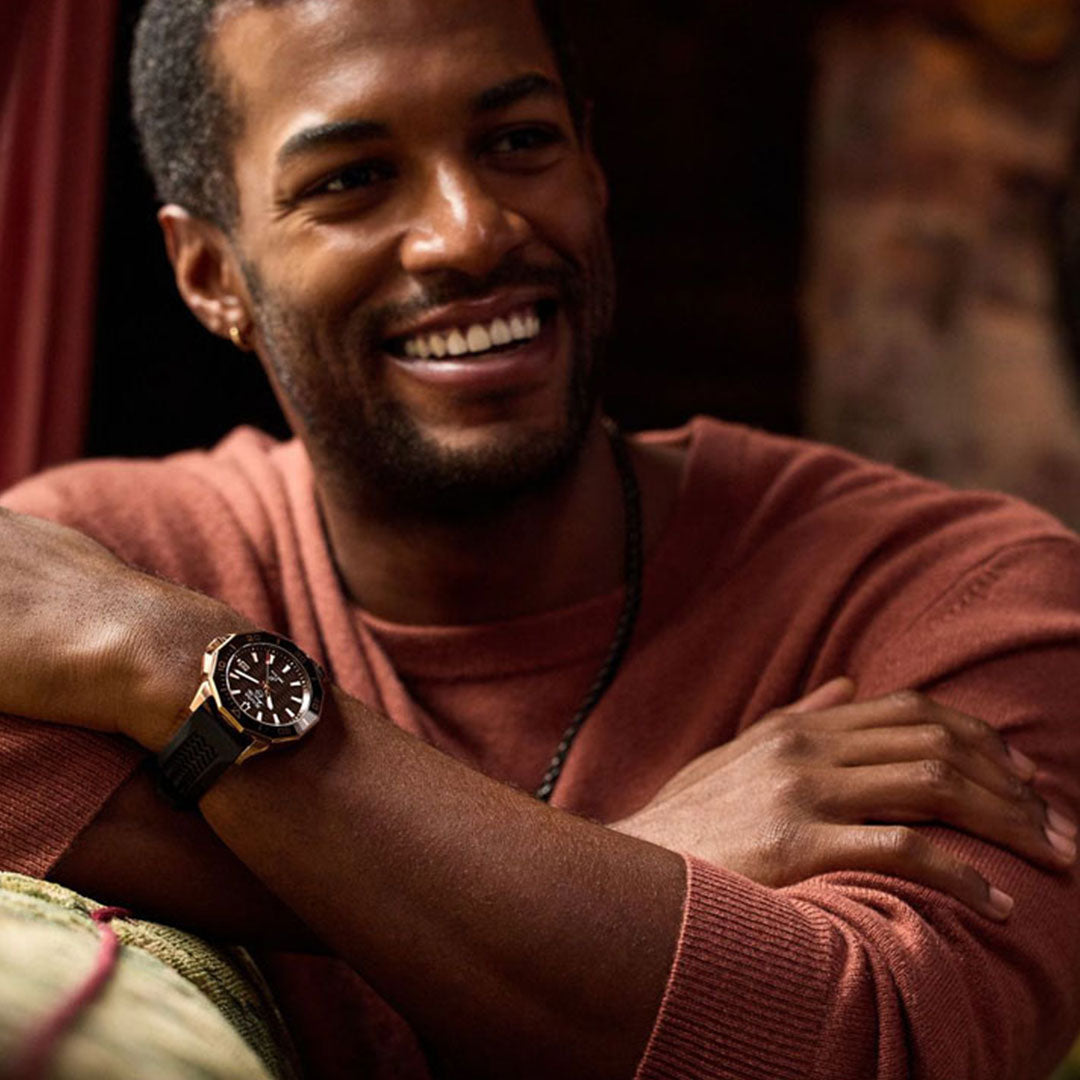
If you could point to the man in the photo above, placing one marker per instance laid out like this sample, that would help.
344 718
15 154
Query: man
397 206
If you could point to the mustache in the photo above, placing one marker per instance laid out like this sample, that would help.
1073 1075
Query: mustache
455 285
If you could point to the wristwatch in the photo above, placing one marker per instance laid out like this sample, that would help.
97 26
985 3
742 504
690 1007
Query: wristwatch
258 690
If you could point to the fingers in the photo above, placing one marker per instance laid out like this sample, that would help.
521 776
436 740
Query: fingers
902 852
930 742
835 692
910 709
935 790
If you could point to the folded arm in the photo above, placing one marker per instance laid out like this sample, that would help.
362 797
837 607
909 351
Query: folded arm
460 899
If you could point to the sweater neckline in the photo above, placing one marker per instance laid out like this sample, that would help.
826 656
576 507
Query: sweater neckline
579 632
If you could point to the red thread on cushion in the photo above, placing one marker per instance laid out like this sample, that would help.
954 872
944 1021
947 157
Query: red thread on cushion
31 1062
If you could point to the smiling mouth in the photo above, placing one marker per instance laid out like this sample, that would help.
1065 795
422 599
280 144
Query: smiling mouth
476 340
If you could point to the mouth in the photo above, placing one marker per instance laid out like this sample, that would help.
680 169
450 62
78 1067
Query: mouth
476 341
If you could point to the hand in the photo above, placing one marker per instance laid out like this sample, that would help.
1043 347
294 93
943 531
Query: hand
828 784
89 641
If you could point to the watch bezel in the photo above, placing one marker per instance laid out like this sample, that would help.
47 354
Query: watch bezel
218 662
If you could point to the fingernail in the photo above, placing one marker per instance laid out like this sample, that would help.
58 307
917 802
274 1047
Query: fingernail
999 903
1022 763
1061 844
1060 823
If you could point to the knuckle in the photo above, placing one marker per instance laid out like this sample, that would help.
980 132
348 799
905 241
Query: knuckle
940 776
1018 790
791 741
774 722
982 734
908 703
901 842
1020 815
943 741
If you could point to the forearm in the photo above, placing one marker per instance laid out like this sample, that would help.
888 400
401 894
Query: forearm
518 940
167 865
515 938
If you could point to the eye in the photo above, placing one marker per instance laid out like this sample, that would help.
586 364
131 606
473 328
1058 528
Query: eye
360 176
525 142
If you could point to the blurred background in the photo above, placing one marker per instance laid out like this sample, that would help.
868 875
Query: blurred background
858 222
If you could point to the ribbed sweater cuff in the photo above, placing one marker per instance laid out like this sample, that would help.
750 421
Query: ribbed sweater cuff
747 990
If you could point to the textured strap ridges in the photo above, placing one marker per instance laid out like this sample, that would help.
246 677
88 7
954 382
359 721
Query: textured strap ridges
203 748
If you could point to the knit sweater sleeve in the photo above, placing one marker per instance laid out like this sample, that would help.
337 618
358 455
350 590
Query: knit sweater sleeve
856 975
193 519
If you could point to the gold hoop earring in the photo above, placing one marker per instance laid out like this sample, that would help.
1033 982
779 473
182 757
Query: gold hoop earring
239 338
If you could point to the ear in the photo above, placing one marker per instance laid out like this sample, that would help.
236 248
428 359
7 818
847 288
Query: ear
207 272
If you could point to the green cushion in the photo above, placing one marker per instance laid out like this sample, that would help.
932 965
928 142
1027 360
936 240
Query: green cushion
1069 1069
175 1007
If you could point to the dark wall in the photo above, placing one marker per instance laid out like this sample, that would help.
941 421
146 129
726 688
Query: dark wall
700 123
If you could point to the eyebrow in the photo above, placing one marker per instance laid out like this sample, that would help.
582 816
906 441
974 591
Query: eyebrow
346 132
514 90
336 133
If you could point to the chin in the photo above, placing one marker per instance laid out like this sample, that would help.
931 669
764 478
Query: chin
448 473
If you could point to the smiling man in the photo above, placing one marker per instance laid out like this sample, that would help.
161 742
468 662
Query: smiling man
458 584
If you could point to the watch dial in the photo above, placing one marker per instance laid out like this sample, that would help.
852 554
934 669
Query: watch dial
268 684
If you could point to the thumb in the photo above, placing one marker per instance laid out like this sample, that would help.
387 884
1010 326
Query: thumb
840 691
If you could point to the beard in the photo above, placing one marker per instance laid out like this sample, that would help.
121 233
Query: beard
367 443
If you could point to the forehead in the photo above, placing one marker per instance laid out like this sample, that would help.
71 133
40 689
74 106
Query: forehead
305 61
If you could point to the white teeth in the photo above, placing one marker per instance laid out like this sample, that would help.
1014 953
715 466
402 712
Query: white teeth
479 340
522 325
500 332
456 345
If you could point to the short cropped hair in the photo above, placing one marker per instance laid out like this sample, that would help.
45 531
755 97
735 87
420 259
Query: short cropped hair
186 119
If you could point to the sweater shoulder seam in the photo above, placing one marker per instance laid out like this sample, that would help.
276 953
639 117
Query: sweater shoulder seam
981 576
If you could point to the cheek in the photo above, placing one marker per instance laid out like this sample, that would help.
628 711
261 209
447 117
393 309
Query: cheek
574 211
330 271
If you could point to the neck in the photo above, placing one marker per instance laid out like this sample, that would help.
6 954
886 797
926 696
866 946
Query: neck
544 551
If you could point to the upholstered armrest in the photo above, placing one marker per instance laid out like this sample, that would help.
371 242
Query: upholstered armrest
174 1007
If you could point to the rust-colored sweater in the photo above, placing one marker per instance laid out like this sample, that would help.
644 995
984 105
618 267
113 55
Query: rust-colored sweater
784 564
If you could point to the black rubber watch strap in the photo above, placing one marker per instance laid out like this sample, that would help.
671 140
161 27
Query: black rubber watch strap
203 748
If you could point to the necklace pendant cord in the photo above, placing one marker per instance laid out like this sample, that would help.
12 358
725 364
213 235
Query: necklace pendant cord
634 558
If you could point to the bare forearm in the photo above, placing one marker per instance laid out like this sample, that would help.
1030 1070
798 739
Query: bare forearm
517 940
167 865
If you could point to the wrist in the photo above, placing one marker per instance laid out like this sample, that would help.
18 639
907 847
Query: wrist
164 659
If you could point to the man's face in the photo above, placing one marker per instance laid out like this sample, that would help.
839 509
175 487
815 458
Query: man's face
422 234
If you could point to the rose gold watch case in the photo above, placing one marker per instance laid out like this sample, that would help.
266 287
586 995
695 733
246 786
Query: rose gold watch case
214 687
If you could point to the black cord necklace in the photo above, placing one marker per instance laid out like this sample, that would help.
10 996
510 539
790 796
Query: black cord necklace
627 617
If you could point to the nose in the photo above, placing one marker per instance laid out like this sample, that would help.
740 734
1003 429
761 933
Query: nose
460 226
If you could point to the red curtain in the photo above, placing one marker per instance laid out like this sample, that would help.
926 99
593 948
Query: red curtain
55 78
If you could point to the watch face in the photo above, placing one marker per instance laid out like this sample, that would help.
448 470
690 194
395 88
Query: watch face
268 685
